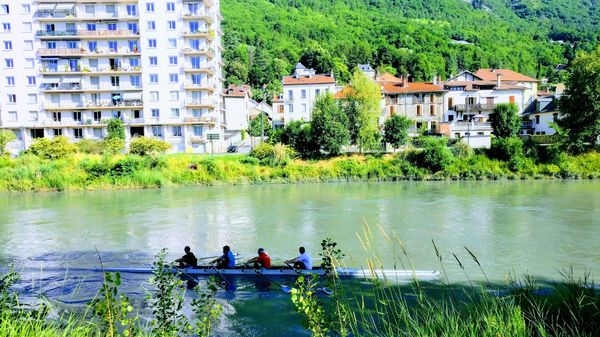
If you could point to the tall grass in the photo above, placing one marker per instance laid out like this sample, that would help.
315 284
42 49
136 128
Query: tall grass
95 172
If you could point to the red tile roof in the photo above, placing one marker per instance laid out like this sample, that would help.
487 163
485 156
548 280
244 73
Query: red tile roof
507 75
238 91
388 78
313 79
475 85
411 87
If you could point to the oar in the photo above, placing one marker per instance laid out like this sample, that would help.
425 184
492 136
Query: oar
214 257
285 289
219 273
326 290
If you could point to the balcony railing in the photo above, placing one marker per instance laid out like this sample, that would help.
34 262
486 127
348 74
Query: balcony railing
466 126
85 70
474 107
200 120
93 105
84 52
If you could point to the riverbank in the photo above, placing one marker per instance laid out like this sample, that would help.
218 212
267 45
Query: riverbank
29 173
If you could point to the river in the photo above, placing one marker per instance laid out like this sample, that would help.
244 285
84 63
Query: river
535 227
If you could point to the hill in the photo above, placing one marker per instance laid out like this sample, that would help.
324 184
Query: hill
264 39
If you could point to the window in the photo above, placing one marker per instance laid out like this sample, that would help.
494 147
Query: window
133 27
419 112
56 116
174 112
78 133
133 48
72 44
9 63
154 96
537 119
8 45
290 95
90 9
37 133
27 45
29 63
290 108
131 10
90 27
317 92
153 60
304 108
6 27
153 78
31 80
98 133
195 62
26 8
172 43
151 25
480 133
194 26
97 116
197 129
174 95
450 118
77 116
111 9
303 93
12 98
555 117
170 6
57 132
171 25
33 116
51 45
173 78
155 113
12 116
135 81
157 130
10 80
4 9
173 60
152 43
150 7
93 46
32 98
114 81
113 46
195 44
196 79
134 62
111 26
176 131
432 110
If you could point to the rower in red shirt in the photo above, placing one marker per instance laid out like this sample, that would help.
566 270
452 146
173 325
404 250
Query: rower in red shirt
262 260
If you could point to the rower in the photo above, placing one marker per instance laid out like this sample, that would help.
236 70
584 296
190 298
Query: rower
225 261
303 261
188 260
262 260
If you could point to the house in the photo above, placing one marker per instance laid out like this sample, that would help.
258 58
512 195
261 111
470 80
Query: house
477 133
278 112
237 102
510 77
300 91
368 70
538 121
422 102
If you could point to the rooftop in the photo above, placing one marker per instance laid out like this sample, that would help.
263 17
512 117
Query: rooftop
238 91
308 79
507 75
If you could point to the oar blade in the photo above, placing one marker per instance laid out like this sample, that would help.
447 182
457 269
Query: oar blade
286 289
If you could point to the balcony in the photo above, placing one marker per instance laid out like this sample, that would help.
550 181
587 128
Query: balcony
49 89
207 34
198 15
84 1
470 126
210 86
135 121
82 52
198 139
104 105
88 34
474 107
210 53
202 70
73 17
91 72
200 120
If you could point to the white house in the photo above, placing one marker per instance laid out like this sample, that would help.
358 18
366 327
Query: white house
300 91
237 101
511 77
538 120
68 67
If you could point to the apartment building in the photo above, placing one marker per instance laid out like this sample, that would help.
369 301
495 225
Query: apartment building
70 66
300 92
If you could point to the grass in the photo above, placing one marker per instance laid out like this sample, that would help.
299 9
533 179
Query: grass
95 172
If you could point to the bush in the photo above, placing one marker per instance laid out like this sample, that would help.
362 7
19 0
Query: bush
144 146
462 150
435 156
273 155
89 146
5 138
111 146
55 148
249 160
506 149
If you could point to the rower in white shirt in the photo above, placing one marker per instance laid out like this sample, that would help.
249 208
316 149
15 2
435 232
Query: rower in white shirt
303 261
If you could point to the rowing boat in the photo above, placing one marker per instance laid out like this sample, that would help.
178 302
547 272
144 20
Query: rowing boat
392 274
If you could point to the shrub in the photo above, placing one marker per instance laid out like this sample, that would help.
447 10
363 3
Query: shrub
115 129
435 156
462 150
249 160
5 138
90 146
144 146
111 146
273 155
55 148
506 149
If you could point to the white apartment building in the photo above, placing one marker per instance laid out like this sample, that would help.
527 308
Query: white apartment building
70 66
300 91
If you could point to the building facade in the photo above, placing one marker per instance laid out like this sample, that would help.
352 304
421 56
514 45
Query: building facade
300 92
70 66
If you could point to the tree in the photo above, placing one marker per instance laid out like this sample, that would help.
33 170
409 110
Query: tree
505 121
329 125
362 106
395 130
115 129
259 124
579 106
5 138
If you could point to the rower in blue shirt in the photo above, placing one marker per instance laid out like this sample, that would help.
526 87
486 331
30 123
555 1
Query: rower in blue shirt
225 261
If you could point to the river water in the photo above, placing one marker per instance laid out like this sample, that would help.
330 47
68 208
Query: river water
534 227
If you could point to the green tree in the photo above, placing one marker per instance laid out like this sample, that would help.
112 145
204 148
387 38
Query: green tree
386 68
55 148
580 104
505 121
362 106
5 138
258 124
329 125
395 130
115 129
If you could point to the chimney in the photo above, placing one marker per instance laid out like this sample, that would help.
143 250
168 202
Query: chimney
404 84
498 80
435 79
